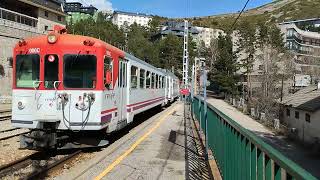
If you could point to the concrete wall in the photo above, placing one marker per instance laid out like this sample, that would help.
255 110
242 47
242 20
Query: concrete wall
307 132
10 33
49 21
9 36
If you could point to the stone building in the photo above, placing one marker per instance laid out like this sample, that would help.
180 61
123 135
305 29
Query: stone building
300 112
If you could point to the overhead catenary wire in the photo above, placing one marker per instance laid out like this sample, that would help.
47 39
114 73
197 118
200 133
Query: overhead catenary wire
235 21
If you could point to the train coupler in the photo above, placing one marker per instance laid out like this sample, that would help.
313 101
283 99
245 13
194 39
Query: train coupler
37 139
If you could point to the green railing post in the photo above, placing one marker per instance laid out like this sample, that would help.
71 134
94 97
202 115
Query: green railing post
240 154
277 172
247 162
260 162
268 168
253 162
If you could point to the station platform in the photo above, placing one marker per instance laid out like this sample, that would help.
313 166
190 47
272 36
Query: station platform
165 146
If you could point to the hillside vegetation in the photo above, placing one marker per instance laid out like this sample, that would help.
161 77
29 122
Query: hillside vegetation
275 12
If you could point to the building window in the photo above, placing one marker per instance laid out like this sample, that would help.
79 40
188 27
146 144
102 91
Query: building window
296 114
288 112
308 117
59 18
46 13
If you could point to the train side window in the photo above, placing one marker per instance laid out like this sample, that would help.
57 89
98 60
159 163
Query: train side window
120 75
148 79
162 82
156 82
142 78
108 72
123 82
134 77
152 81
125 75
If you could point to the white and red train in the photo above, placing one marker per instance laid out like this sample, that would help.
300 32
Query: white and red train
67 84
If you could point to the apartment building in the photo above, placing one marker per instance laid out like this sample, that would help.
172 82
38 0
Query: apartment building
76 11
206 35
305 45
175 28
121 18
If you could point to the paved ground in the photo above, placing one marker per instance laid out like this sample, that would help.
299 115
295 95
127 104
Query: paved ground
162 147
5 107
301 156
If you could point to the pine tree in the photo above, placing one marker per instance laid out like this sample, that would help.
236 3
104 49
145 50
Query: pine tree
223 75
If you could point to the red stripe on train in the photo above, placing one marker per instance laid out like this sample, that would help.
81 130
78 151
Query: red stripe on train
109 110
130 105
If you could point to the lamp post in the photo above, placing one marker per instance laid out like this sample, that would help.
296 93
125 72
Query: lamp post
204 83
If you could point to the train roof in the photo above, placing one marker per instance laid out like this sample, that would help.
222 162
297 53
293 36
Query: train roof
69 40
131 57
164 71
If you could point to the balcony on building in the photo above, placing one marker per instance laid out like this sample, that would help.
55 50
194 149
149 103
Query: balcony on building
16 14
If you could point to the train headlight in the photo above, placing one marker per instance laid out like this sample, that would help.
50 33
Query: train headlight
20 105
52 38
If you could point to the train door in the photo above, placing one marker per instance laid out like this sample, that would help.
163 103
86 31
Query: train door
122 109
46 101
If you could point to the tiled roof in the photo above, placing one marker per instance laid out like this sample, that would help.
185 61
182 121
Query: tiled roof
307 99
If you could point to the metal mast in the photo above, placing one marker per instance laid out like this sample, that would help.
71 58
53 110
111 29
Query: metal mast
185 54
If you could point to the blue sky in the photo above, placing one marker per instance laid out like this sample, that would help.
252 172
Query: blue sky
174 8
178 8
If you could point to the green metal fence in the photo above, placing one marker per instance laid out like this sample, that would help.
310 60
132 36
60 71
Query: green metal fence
240 154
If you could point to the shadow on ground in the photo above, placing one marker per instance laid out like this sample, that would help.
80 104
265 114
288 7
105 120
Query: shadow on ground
196 165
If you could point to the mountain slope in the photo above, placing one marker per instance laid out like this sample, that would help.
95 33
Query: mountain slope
275 12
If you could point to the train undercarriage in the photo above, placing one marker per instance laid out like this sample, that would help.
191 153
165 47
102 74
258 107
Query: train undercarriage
51 138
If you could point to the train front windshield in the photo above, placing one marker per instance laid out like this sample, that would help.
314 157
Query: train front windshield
80 71
27 70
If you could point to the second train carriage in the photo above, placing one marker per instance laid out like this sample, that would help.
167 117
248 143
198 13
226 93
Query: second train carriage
64 83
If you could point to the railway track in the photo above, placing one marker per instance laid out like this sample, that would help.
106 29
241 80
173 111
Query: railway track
35 166
14 135
5 115
7 132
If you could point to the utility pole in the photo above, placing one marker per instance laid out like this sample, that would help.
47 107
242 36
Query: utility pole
192 81
195 83
185 54
205 108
